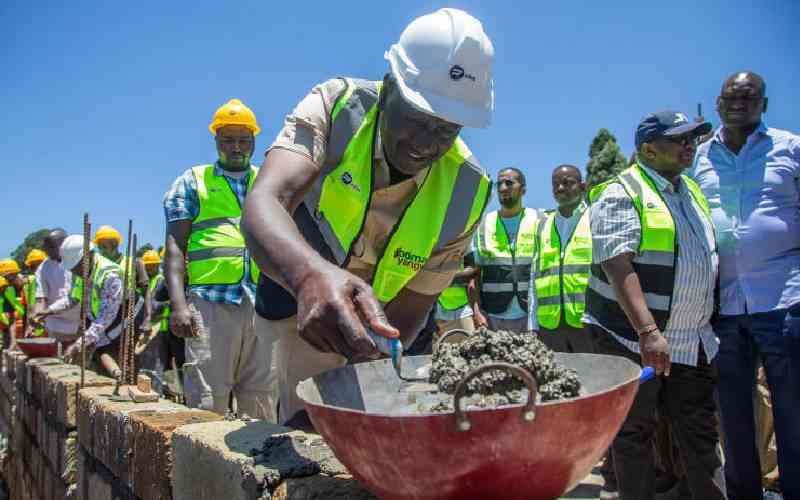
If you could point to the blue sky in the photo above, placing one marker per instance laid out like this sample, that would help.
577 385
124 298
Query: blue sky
105 103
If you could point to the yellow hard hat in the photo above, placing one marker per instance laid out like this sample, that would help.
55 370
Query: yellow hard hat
3 282
234 112
107 233
8 266
35 255
150 257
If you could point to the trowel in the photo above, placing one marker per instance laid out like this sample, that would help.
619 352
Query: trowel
394 349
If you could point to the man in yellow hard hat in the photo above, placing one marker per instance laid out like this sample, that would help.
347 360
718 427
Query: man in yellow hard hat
14 294
108 241
367 201
6 314
224 356
33 261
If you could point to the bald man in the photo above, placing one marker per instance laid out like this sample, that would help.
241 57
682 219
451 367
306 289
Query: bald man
750 174
52 284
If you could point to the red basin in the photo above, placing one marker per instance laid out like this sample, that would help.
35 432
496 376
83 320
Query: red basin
397 454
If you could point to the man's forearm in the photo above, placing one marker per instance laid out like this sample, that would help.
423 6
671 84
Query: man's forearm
628 290
272 236
466 275
175 271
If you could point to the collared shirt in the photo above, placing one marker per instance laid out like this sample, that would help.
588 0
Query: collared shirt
182 203
616 229
110 302
565 227
755 203
52 284
306 130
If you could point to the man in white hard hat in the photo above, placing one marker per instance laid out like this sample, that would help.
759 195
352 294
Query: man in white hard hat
105 298
367 200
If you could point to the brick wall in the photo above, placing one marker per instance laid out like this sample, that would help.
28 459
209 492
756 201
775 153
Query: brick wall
78 444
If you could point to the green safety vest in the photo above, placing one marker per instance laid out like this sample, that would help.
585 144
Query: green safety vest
505 269
216 250
11 297
102 269
655 260
29 290
561 281
449 202
164 321
5 321
453 297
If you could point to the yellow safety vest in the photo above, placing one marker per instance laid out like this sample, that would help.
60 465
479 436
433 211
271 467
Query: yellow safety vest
164 321
505 268
102 269
449 202
654 263
216 246
561 281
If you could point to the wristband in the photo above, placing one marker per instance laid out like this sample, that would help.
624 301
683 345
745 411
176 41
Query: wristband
647 329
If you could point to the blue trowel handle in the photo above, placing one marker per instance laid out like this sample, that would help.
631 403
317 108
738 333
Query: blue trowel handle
391 347
648 372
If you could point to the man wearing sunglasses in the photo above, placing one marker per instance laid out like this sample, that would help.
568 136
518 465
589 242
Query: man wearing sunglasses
751 176
651 297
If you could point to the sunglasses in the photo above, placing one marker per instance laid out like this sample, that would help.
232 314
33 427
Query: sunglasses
683 140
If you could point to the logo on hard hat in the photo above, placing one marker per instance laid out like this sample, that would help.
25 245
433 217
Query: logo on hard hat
681 118
457 73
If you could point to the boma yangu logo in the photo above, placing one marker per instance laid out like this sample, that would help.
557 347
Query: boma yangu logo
408 259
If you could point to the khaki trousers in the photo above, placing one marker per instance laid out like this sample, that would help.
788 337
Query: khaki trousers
228 358
295 360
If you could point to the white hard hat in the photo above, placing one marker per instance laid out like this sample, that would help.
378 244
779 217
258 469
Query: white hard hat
72 251
443 67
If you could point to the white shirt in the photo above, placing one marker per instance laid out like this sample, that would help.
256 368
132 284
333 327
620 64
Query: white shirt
52 284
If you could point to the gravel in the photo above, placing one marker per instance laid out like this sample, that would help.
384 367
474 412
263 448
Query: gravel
452 361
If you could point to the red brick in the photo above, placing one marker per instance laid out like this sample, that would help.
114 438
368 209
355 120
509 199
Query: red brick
152 449
41 373
63 391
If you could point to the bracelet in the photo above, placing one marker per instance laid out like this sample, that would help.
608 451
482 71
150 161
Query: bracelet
652 327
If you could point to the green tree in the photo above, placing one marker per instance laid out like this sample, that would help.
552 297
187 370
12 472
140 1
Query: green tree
33 240
605 158
142 249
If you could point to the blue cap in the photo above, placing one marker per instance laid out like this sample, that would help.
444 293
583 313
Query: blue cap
667 123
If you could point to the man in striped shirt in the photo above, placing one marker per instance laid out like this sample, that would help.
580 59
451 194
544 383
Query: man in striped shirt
651 297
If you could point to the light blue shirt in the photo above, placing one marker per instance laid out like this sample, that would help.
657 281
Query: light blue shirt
755 203
511 224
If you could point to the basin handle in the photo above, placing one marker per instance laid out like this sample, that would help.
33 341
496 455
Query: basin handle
528 411
449 333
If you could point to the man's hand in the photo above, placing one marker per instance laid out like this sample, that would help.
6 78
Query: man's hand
478 319
180 322
655 351
38 318
73 352
334 307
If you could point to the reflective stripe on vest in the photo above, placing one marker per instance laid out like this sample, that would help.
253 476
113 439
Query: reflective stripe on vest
449 202
102 269
562 280
505 270
216 249
654 262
